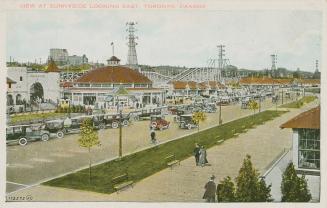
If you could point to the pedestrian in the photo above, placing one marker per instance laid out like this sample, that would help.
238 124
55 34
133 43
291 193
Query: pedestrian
153 136
203 156
210 190
196 153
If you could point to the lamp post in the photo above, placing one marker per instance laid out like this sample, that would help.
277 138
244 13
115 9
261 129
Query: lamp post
120 134
121 91
220 121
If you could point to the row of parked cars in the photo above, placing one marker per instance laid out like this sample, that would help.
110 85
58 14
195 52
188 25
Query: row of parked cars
43 131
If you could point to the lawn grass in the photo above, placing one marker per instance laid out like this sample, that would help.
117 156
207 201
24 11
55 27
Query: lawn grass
299 103
147 162
313 90
34 116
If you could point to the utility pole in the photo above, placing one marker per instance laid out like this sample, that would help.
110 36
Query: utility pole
120 134
220 120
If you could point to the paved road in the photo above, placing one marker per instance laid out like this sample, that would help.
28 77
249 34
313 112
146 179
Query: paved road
185 183
40 161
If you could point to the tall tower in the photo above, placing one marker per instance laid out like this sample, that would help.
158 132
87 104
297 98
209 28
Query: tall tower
317 66
221 55
131 56
273 65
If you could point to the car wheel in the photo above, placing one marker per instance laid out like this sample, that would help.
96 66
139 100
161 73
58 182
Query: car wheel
22 141
125 123
114 125
60 134
45 137
102 126
189 127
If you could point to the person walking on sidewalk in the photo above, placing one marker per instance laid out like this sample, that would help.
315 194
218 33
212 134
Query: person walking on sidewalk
196 153
203 156
210 190
153 136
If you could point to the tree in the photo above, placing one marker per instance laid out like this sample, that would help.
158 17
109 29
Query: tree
88 139
294 188
253 105
226 190
250 187
198 117
264 192
247 182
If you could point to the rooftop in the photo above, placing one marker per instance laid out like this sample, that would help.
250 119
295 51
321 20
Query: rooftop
306 120
114 74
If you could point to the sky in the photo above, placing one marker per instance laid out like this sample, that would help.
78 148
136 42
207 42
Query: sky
177 38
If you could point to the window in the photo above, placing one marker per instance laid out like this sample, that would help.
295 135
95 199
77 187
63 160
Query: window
140 85
10 130
20 78
309 148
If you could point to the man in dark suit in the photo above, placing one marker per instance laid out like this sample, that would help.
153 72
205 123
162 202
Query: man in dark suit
210 190
196 153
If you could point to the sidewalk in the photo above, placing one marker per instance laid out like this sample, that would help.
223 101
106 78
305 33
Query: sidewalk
185 183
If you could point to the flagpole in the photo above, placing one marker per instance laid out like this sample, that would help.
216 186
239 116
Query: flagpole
113 48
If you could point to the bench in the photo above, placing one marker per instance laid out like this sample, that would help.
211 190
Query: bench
171 161
121 182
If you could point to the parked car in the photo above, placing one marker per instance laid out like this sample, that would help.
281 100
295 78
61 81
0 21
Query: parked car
225 100
111 120
158 122
74 125
210 108
55 126
146 113
245 102
22 134
186 122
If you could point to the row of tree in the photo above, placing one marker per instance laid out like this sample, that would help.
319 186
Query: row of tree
249 186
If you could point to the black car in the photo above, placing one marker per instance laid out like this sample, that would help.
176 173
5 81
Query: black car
55 126
146 113
73 125
186 122
22 134
111 120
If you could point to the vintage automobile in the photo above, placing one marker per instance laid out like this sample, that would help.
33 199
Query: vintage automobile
274 98
73 125
24 133
111 120
146 113
55 126
186 122
245 102
225 100
158 122
210 108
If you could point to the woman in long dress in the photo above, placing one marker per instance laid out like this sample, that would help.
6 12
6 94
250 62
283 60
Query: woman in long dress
203 156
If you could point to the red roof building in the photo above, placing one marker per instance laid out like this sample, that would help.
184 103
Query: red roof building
306 145
306 120
96 86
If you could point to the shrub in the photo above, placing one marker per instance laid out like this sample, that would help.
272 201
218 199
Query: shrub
249 186
226 190
294 188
